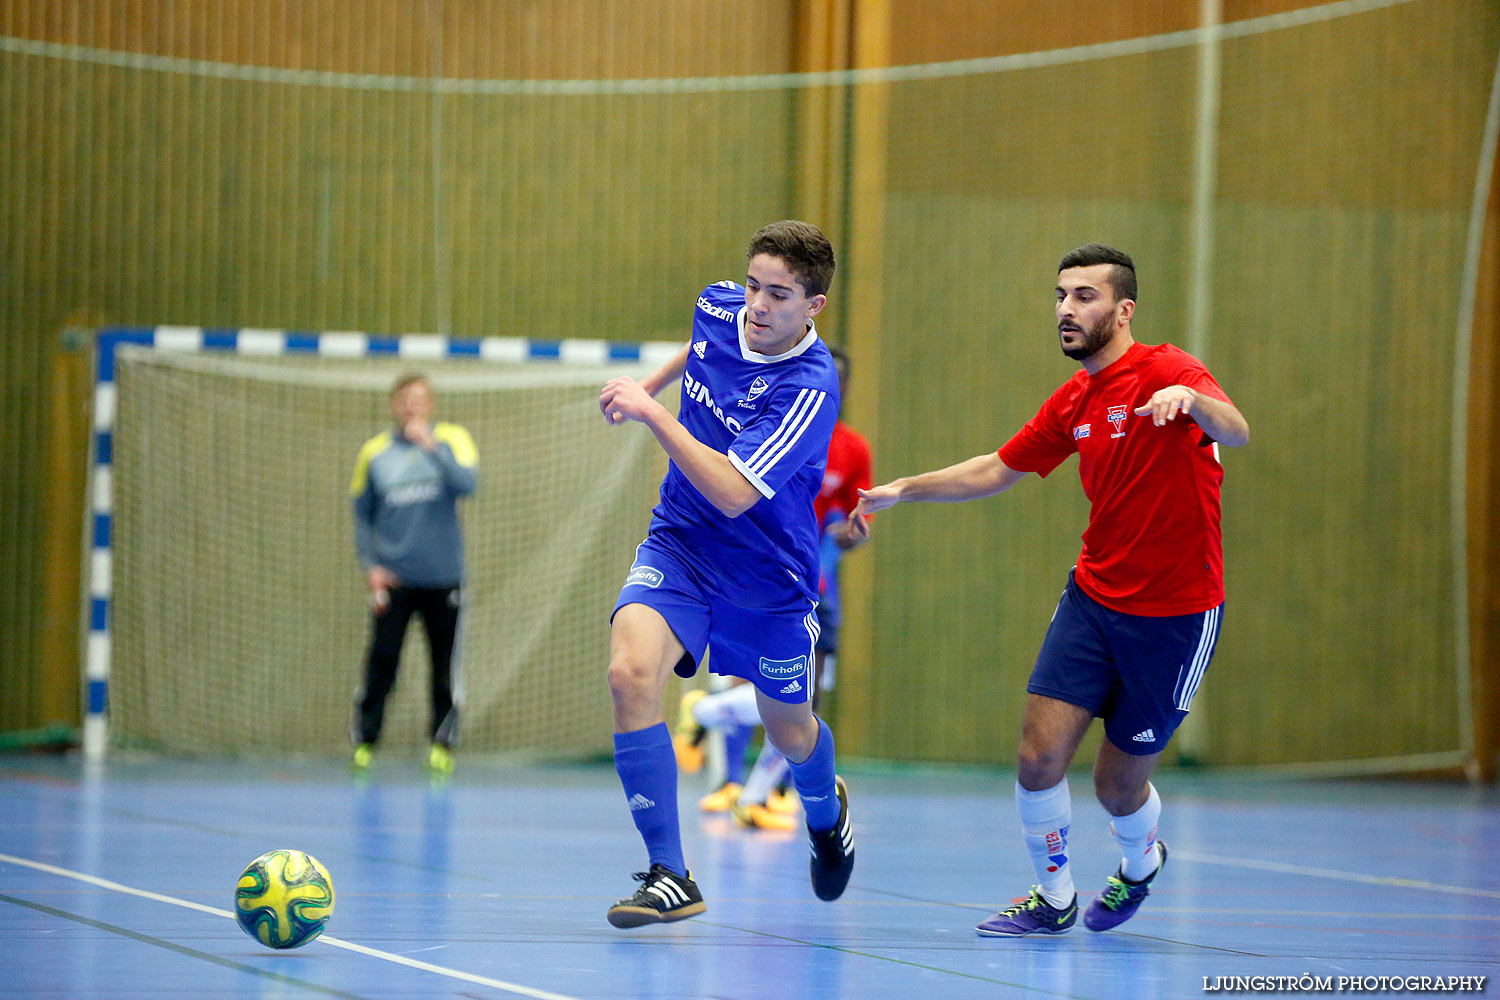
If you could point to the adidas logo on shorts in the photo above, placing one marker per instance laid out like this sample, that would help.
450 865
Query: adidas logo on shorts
638 802
1144 737
699 347
792 688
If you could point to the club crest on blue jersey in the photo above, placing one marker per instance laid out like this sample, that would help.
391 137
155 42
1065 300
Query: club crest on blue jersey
757 387
783 669
644 576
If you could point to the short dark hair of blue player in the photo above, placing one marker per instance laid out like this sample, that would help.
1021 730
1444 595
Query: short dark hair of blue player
1121 274
802 247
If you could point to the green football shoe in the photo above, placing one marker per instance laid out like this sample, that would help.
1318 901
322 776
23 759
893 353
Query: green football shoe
440 759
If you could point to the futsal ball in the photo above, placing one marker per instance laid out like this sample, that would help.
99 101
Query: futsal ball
284 899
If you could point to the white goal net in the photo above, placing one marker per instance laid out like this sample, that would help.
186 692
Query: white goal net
239 619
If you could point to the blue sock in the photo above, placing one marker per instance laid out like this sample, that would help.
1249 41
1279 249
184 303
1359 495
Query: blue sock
736 742
648 771
814 780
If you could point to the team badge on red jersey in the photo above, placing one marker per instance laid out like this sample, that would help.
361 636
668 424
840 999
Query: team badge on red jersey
1117 418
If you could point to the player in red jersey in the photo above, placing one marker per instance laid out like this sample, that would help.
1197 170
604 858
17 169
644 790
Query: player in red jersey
847 473
1138 621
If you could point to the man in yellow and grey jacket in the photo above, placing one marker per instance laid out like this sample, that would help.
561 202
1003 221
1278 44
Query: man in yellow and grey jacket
407 533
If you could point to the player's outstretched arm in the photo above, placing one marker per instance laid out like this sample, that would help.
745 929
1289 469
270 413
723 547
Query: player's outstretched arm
981 476
1219 418
710 472
667 373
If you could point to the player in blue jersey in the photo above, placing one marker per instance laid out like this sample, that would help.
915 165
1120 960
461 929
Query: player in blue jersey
730 561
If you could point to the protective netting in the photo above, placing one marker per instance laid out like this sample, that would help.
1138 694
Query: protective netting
1334 278
240 616
1318 217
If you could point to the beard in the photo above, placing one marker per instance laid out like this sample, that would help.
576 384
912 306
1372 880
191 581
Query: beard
1093 339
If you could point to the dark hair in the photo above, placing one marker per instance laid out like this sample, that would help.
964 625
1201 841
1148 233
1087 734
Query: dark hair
802 247
1121 275
840 359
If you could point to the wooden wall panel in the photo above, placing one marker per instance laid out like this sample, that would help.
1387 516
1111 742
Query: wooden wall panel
946 30
546 39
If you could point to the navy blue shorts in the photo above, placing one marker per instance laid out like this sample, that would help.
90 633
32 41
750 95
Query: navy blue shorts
1137 673
770 648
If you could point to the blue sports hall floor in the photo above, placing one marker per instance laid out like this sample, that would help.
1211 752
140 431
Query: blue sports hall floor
117 878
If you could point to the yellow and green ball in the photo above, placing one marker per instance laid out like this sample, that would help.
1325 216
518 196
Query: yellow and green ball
284 899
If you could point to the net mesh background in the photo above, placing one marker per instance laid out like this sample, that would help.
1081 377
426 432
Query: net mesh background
240 612
1339 249
1338 229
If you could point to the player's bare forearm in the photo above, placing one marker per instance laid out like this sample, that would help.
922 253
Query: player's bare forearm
709 471
1220 419
981 476
667 373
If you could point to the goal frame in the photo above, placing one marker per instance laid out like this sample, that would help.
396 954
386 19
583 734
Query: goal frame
97 579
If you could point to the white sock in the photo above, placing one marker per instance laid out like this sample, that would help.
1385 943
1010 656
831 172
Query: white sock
733 707
1136 835
1045 818
770 767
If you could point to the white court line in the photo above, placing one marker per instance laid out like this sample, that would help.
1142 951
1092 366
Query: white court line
411 963
1286 869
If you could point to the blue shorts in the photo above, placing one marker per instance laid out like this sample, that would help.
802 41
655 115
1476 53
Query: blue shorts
770 648
1137 673
828 628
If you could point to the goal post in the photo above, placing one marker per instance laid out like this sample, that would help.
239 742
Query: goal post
225 608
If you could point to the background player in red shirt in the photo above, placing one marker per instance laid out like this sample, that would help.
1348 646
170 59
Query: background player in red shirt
1137 624
847 472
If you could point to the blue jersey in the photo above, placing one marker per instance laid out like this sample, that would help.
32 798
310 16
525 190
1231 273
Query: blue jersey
773 417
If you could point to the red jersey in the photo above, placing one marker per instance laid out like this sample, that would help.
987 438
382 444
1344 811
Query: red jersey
1153 544
847 473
